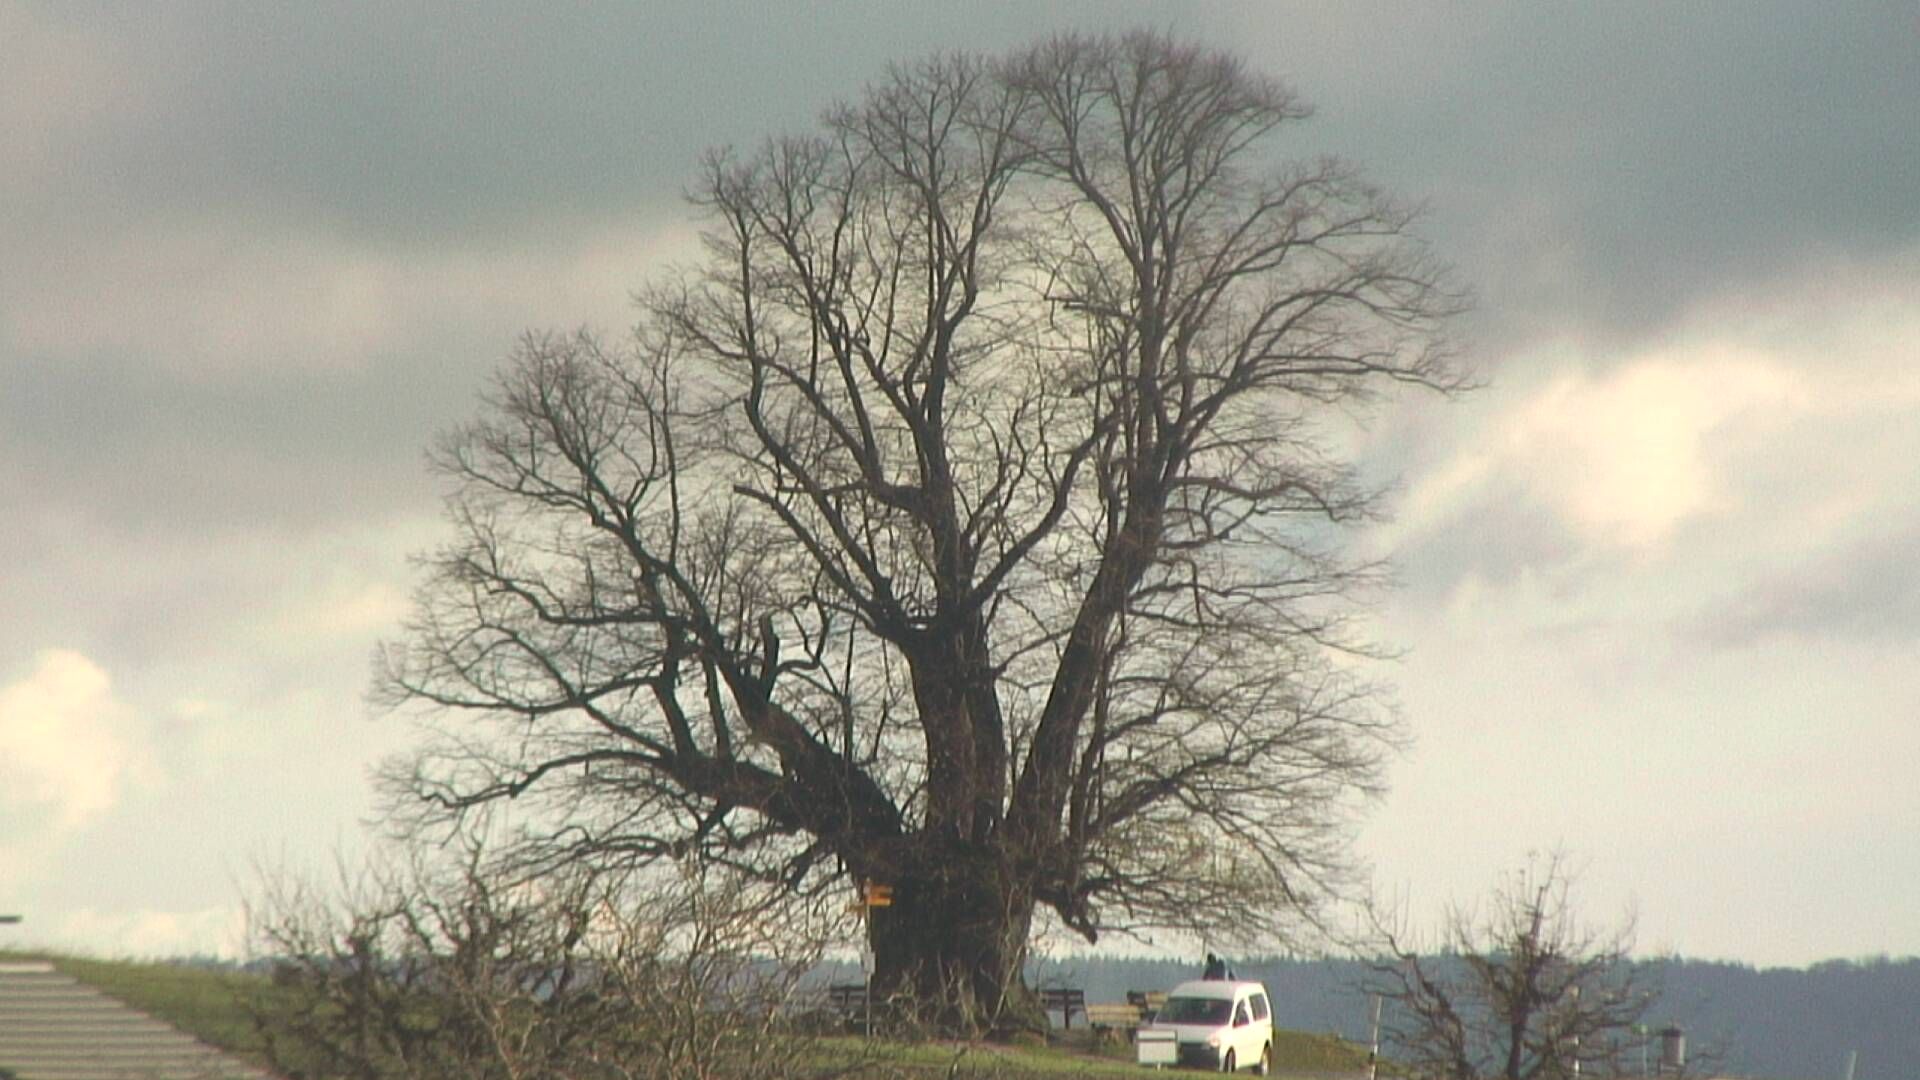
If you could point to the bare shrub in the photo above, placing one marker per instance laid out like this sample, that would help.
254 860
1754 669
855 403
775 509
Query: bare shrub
461 967
1520 989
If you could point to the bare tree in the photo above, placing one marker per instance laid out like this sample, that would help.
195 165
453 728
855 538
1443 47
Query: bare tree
1523 991
961 523
430 971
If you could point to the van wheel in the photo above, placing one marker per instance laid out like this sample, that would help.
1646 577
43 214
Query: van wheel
1265 1064
1227 1063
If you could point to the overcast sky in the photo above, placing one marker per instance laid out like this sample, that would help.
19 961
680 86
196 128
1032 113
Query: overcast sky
1658 603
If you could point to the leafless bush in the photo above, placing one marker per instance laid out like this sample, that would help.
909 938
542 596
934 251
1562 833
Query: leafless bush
1522 989
464 968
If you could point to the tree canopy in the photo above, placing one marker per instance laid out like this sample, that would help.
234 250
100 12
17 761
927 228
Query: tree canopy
962 520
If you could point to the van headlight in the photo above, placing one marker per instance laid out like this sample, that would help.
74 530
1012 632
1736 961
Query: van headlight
1214 1040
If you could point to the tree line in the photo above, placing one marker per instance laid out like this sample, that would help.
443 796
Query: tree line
1777 1023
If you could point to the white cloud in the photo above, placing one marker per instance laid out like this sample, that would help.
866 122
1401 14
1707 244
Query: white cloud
211 931
1623 456
66 743
1758 408
346 609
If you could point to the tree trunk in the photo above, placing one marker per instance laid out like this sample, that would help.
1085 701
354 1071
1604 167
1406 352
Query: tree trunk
950 948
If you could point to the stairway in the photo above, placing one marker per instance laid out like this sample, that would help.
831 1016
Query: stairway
54 1028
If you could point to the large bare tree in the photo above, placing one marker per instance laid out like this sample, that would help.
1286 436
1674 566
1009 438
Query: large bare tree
962 522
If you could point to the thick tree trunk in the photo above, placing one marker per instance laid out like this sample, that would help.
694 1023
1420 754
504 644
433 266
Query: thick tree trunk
950 948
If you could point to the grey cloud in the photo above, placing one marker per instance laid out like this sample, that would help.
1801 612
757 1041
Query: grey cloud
1503 533
151 515
404 121
1868 591
132 449
1617 163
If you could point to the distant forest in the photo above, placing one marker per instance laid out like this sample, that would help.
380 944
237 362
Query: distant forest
1777 1023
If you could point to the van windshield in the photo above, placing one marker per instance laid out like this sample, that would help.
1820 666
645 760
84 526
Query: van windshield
1190 1010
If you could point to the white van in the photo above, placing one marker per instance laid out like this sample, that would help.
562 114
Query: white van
1223 1024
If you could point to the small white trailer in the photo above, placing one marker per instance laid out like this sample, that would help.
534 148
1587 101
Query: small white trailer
1157 1047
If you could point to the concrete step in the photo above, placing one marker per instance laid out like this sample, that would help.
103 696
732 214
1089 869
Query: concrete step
212 1067
70 1025
37 1039
172 1059
95 1007
52 1027
137 1071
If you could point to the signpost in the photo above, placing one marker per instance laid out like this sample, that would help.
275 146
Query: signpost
871 894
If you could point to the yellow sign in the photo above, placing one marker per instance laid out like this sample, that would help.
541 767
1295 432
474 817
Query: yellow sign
877 895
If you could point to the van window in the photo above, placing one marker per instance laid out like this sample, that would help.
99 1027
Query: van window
1259 1006
1186 1010
1240 1015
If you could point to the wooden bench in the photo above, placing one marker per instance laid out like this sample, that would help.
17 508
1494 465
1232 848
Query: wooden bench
1149 1002
1067 1002
1108 1017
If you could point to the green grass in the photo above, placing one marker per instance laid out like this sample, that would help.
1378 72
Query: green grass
1074 1054
206 1003
212 1005
1300 1051
1294 1053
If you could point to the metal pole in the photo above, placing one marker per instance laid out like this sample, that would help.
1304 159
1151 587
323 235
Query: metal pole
1853 1056
1576 1033
1373 1052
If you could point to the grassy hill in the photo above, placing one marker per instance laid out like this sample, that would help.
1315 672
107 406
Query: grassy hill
215 1005
1777 1023
208 1003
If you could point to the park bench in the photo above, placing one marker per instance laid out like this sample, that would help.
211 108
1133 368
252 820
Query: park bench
1109 1017
1066 1001
1149 1002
